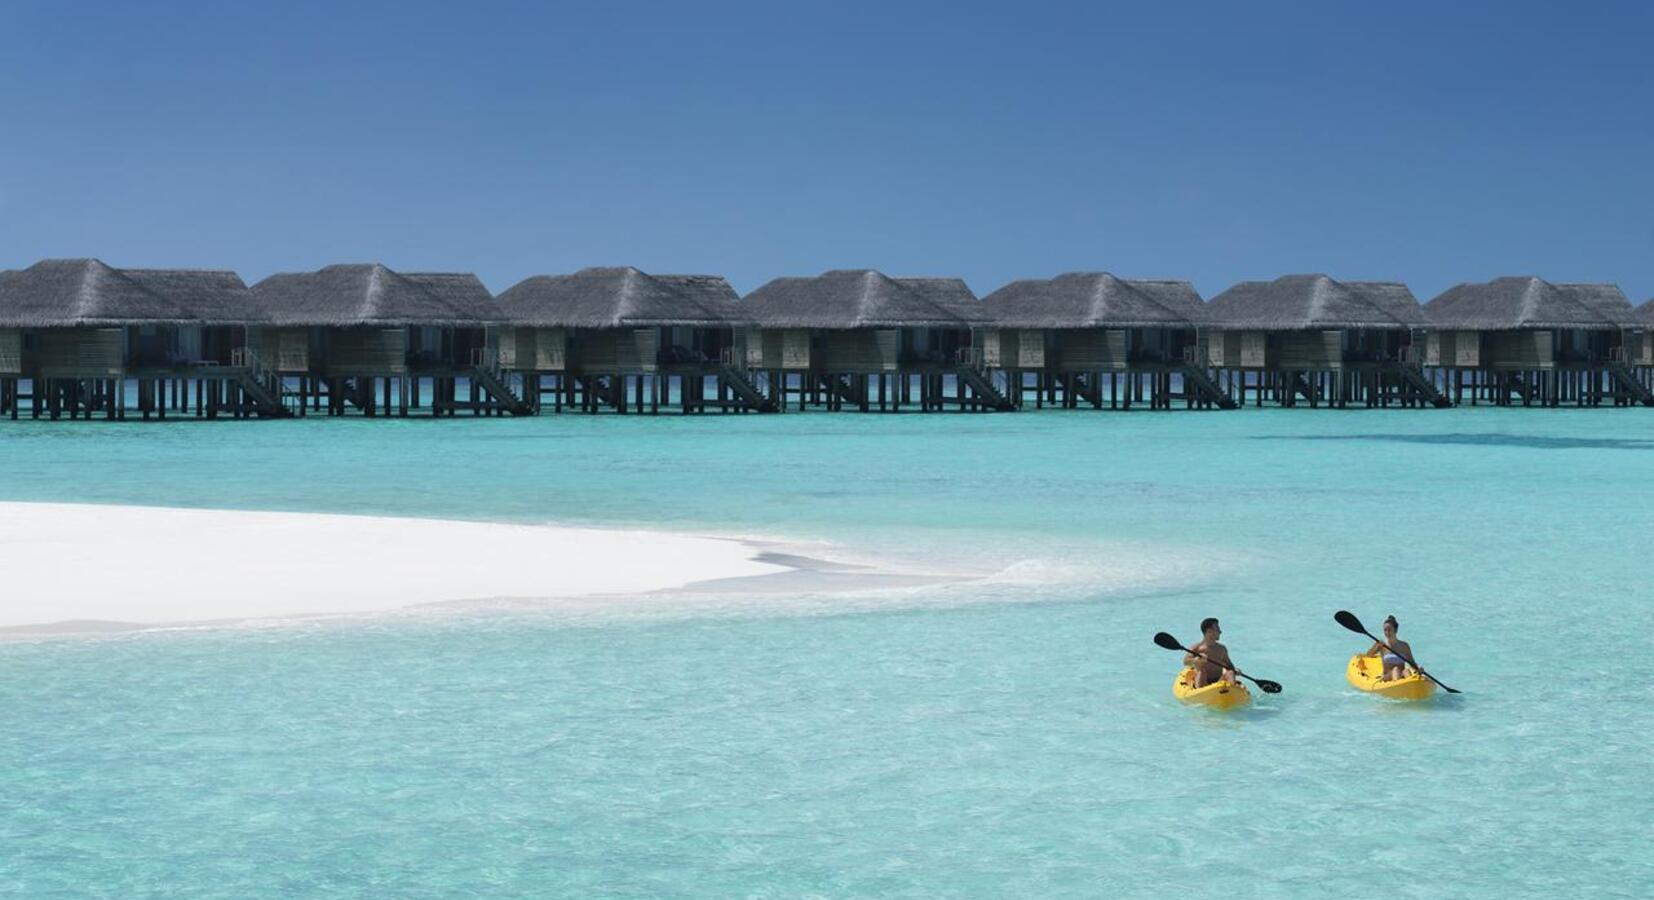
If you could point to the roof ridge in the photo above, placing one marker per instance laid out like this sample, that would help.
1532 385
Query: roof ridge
869 278
1173 314
626 306
374 291
94 269
1532 294
1362 298
1101 281
86 291
1321 285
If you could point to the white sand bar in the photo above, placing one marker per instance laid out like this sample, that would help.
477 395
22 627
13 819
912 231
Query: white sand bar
146 565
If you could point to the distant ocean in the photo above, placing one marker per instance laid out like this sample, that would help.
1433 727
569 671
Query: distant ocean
1011 736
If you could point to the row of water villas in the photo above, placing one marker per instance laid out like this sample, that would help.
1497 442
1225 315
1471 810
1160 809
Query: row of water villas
81 339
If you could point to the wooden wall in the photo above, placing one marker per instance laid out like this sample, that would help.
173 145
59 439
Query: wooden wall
11 351
992 354
1453 349
616 350
1091 349
1031 348
796 349
79 353
1519 350
763 348
530 349
281 349
1311 350
1239 349
551 349
1639 348
1013 348
861 350
367 350
779 348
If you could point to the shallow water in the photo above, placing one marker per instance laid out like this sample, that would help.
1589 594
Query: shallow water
1013 736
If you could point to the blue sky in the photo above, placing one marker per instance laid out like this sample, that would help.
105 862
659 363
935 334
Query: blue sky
1427 142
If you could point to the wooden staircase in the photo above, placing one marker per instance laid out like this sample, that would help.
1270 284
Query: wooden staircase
1197 382
746 389
603 390
486 374
983 387
1626 382
258 384
1514 385
1422 387
842 387
1301 386
1086 389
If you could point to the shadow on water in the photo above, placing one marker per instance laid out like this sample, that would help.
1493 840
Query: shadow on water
1437 703
1207 717
1477 440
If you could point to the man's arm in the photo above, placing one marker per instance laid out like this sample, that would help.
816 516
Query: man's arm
1191 657
1220 655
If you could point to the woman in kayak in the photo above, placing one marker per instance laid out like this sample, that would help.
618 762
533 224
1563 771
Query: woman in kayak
1395 656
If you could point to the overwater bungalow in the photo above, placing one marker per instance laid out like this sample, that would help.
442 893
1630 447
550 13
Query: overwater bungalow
86 338
1094 338
1310 338
622 339
861 338
367 337
1529 341
1640 343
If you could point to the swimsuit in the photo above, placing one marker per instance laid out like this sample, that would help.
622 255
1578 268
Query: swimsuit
1390 659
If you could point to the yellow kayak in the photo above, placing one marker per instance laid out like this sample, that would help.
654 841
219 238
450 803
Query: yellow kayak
1367 674
1218 695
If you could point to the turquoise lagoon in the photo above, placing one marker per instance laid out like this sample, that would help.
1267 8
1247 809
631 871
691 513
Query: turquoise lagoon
1012 735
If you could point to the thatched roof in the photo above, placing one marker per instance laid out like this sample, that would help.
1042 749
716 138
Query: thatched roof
1644 314
1606 299
621 297
1518 302
1305 302
66 293
371 294
1095 300
862 298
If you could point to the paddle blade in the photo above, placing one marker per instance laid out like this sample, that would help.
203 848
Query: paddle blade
1167 641
1347 619
1269 687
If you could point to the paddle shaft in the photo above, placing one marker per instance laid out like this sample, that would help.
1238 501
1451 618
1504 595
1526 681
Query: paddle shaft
1409 661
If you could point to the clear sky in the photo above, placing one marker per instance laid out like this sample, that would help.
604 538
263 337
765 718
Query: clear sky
1428 142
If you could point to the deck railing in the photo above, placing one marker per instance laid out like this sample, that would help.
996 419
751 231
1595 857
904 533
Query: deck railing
248 358
486 359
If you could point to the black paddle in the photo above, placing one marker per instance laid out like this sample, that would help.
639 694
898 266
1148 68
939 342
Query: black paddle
1348 620
1170 643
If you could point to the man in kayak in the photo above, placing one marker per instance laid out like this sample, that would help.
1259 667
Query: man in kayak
1217 663
1396 656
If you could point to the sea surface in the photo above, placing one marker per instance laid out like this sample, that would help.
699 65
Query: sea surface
1010 736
